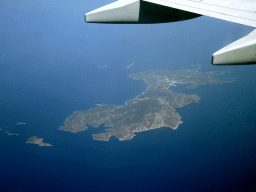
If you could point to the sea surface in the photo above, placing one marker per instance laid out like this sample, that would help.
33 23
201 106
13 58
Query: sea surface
214 146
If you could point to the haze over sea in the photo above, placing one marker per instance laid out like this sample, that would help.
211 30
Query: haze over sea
52 63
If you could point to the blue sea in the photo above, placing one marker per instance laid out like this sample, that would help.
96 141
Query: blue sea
214 146
52 64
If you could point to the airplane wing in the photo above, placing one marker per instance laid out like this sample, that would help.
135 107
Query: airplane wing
242 51
237 11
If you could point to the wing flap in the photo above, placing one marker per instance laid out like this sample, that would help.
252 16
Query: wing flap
237 11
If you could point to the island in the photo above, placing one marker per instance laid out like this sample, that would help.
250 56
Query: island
21 123
8 133
152 109
38 141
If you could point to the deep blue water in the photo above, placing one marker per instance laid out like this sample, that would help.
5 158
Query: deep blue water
214 146
50 67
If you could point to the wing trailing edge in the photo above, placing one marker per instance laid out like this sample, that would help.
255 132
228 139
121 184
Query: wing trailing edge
137 12
228 10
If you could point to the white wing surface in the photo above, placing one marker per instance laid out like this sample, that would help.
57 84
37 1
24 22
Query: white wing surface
242 12
237 11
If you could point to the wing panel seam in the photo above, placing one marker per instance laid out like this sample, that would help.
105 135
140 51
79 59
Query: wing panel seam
213 11
202 2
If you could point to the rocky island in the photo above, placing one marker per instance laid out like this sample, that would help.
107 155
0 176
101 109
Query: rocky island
154 108
38 141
